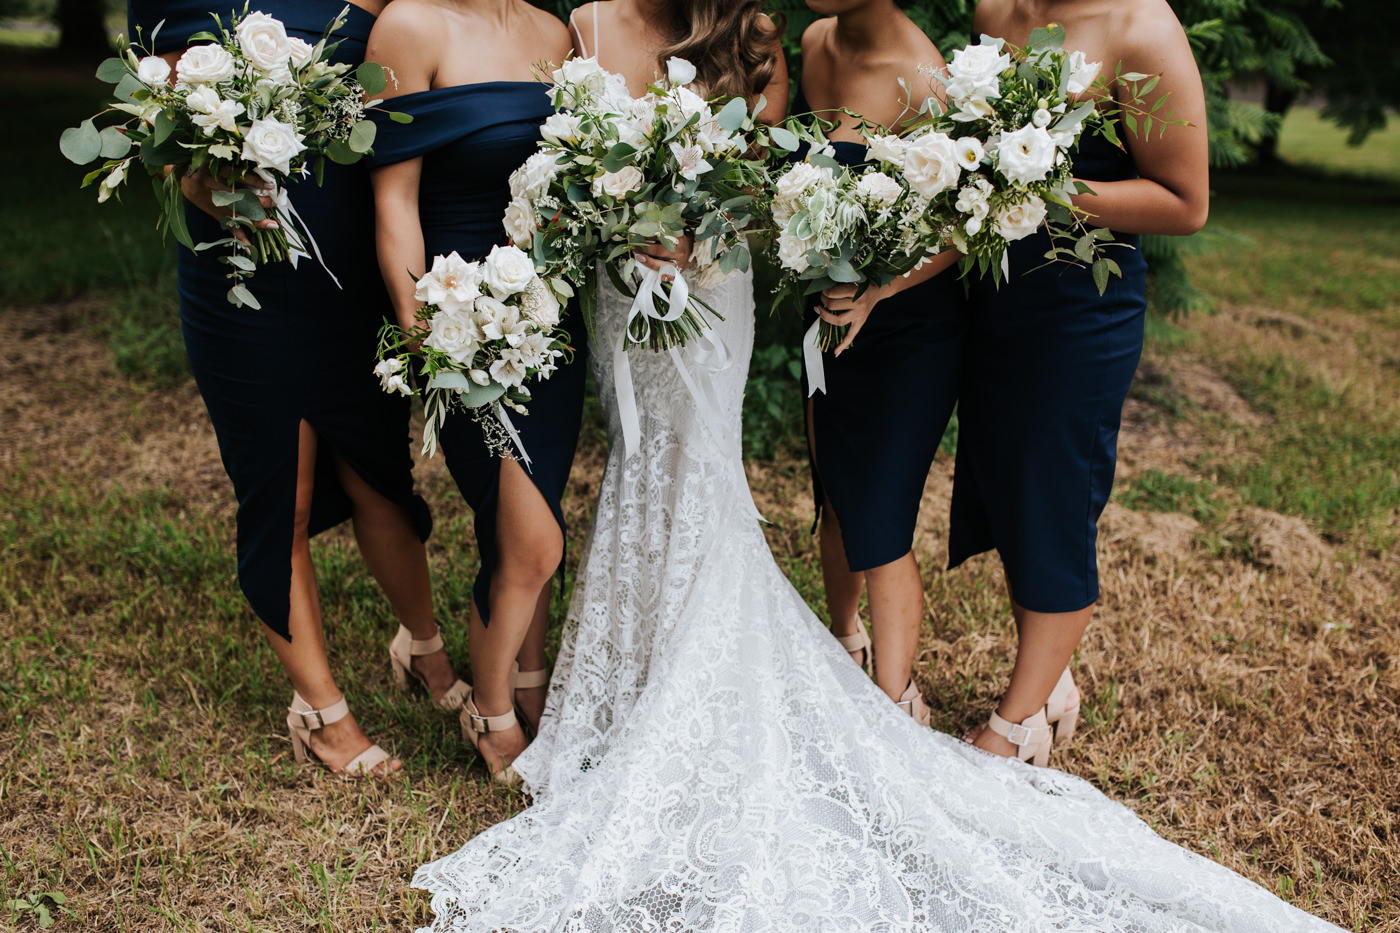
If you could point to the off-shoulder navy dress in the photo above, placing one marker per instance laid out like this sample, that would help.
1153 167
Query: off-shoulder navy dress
307 354
1048 365
471 137
888 399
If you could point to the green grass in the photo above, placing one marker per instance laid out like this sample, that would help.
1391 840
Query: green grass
1309 141
1156 491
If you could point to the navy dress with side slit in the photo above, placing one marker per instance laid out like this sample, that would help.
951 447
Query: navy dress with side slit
471 137
306 355
1048 365
888 399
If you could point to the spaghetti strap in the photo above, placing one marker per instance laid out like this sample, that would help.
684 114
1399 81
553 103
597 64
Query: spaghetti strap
596 48
579 32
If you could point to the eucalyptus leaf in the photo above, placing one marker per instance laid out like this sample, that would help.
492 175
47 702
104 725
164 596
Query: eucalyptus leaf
337 150
127 87
223 198
115 143
399 117
784 139
112 70
81 143
618 157
371 78
468 393
733 114
242 262
240 296
362 136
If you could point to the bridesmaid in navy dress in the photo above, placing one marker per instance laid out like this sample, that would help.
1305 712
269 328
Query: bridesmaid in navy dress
1049 362
464 72
892 384
305 433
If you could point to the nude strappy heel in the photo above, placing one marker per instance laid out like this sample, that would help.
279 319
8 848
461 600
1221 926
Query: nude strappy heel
912 702
404 648
475 725
1058 712
1032 736
526 680
302 720
859 642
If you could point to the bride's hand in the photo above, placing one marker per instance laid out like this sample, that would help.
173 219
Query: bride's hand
656 256
840 306
199 188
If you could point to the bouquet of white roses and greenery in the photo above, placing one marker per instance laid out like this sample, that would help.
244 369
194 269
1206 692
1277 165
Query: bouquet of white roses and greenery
615 173
485 330
250 105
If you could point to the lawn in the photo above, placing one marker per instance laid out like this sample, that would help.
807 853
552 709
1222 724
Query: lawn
1240 677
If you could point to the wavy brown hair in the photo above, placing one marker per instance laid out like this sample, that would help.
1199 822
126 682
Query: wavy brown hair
732 45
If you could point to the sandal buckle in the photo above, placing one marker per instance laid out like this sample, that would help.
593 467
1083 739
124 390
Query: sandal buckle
1018 734
310 719
478 723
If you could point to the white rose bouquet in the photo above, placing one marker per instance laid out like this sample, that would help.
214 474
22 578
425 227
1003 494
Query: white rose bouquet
254 107
485 330
615 173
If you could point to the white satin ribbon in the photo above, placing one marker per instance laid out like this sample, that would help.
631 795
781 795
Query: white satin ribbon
645 308
812 359
505 421
1006 265
296 246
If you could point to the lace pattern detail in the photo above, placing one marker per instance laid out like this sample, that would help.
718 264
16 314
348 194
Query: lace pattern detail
711 759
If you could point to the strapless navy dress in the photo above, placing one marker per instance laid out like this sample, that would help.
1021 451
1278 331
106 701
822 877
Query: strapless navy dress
471 137
307 354
888 399
1047 367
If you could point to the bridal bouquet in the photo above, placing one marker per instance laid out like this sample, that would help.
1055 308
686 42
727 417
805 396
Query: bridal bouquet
249 104
614 174
485 330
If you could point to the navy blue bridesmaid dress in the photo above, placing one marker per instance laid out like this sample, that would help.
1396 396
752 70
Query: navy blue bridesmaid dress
471 137
888 399
1048 365
307 354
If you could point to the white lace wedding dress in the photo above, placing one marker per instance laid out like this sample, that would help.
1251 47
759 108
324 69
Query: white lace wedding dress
711 759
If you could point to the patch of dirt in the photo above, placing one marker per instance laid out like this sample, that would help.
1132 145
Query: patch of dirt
1162 537
1205 387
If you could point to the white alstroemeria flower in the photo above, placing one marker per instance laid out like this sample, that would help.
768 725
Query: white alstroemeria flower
561 128
532 179
617 184
272 144
223 116
153 71
1082 72
1020 219
455 334
690 161
507 270
679 71
264 42
301 50
520 222
535 351
204 64
879 188
510 369
112 181
539 304
970 153
885 149
931 164
452 284
396 383
1025 156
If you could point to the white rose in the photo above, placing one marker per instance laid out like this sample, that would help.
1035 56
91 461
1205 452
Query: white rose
1026 155
970 153
976 71
532 179
301 50
931 164
561 128
691 103
1082 73
452 284
792 252
456 334
153 70
617 184
1020 219
614 97
690 161
800 179
263 40
680 71
204 64
886 149
272 144
224 115
582 79
879 187
507 270
540 305
520 222
203 99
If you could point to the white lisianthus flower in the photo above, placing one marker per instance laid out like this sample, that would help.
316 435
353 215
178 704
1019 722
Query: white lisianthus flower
264 42
539 304
455 334
1020 219
520 222
153 71
532 179
224 116
1082 73
690 161
617 184
272 144
452 284
792 252
1025 156
975 199
976 71
561 128
203 99
970 153
507 270
204 64
301 50
971 110
509 370
886 149
879 188
931 164
679 71
111 182
388 367
1041 118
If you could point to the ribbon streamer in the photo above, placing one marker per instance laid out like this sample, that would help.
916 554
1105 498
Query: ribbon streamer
812 359
505 421
645 308
296 247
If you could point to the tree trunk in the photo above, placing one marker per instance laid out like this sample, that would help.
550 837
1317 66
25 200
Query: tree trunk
82 30
1277 100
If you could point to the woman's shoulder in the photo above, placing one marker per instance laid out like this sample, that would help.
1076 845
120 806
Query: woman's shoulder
1140 26
409 22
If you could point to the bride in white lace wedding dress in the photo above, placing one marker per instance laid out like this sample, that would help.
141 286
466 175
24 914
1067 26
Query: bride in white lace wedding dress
711 758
